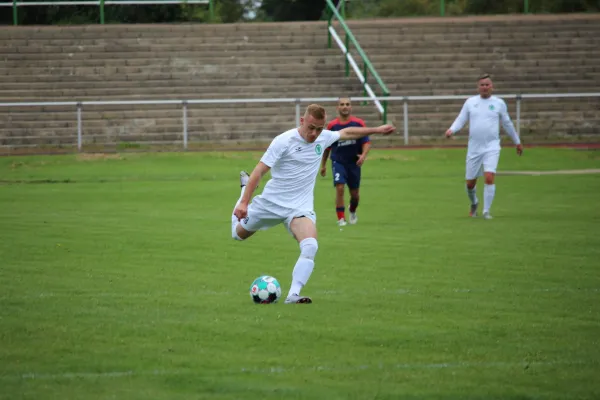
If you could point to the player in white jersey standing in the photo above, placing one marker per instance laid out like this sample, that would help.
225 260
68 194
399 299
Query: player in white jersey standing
294 158
484 114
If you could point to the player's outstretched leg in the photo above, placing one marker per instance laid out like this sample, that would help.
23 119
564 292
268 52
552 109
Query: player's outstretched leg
244 178
302 271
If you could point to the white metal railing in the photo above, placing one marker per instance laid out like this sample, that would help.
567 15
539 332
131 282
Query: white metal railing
297 101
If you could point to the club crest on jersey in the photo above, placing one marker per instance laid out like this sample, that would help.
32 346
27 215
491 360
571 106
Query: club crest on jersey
492 107
318 149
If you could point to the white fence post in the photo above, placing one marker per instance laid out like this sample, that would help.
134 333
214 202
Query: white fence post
79 127
297 112
519 115
405 120
185 124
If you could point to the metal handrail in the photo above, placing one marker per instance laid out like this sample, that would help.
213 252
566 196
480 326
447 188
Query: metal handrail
297 101
367 66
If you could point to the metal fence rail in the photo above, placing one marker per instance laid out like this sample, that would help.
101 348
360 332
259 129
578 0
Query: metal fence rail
79 106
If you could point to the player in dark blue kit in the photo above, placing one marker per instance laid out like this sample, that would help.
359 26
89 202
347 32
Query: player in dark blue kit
347 158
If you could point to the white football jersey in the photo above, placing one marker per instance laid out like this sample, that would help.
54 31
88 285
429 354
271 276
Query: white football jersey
294 166
484 117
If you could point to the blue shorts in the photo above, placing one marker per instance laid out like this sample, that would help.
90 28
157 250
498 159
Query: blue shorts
348 174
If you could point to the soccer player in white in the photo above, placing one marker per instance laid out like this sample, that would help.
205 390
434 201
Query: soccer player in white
484 114
294 158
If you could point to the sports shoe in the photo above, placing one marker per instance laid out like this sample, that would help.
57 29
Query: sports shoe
353 218
486 215
342 222
244 178
473 211
296 299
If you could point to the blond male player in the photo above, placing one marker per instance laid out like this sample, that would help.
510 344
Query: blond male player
294 158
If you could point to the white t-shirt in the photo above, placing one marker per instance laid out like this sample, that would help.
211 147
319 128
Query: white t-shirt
294 166
484 117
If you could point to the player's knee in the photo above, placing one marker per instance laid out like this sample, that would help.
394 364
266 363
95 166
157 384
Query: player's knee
235 236
308 248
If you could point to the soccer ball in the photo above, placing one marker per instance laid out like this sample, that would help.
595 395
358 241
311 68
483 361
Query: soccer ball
265 290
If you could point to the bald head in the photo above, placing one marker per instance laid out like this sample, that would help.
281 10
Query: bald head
344 108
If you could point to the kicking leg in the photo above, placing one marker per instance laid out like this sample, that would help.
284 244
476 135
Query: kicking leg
237 231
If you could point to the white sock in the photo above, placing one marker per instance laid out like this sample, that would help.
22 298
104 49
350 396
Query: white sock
302 271
488 197
472 193
234 220
304 266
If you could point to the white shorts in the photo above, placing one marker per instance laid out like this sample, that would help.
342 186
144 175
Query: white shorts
479 163
262 215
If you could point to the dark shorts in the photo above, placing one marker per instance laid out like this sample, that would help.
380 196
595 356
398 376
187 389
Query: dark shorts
348 174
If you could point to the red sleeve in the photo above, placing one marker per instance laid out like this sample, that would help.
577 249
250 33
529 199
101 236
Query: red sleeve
360 121
331 123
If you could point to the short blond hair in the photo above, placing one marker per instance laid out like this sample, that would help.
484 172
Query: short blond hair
316 111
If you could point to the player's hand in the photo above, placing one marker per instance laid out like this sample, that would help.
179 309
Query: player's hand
360 161
448 133
323 171
386 129
519 149
241 211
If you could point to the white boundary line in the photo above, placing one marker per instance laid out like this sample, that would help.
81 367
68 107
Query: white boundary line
556 172
283 370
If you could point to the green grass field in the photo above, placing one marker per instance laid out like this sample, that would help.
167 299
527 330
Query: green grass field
119 280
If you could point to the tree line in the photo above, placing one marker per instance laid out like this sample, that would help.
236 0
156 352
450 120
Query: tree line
228 11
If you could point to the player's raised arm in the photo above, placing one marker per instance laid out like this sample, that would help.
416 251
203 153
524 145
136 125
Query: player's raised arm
353 133
460 121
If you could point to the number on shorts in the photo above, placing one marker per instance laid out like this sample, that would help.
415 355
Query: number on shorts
337 176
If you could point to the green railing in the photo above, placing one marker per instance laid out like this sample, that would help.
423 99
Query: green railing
101 3
367 66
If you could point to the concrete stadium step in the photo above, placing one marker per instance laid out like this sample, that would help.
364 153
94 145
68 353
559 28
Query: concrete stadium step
140 82
526 54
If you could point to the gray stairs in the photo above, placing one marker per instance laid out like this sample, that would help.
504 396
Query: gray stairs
525 54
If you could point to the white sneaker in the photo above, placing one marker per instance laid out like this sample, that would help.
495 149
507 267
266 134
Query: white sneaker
342 222
244 178
353 218
296 299
486 215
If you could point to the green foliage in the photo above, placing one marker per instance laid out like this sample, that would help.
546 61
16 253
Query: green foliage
228 11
